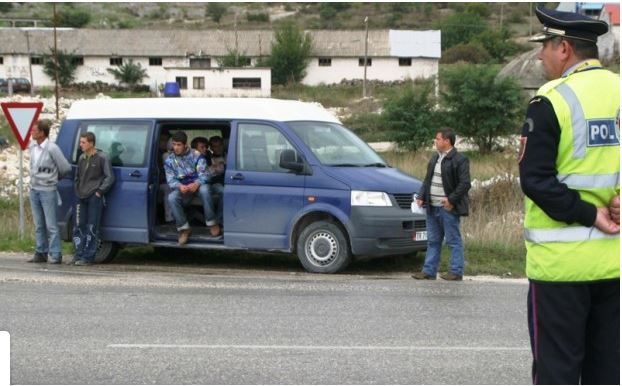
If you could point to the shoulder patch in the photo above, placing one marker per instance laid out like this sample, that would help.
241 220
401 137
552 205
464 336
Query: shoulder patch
535 100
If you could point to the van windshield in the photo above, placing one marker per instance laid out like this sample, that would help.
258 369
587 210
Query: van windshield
334 145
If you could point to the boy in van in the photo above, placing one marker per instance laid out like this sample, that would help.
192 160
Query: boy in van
187 176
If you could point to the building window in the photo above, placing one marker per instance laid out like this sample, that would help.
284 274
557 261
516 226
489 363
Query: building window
155 61
36 60
182 81
116 61
78 60
200 63
362 62
324 62
198 83
1 59
405 61
246 82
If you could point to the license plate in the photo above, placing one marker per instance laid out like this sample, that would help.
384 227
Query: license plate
420 236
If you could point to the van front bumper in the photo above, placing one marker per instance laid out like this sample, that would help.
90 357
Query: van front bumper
385 231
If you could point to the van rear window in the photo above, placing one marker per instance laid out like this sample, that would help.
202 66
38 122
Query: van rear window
125 143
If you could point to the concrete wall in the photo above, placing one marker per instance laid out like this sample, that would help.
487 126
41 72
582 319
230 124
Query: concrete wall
219 82
383 69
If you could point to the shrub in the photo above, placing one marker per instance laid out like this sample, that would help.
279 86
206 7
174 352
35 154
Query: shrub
66 67
258 17
290 54
74 17
460 28
233 59
473 52
480 105
129 73
498 43
215 11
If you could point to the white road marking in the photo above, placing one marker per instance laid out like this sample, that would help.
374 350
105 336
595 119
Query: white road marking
288 347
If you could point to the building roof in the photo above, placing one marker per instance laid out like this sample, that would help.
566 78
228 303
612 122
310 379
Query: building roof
614 13
182 43
526 69
200 108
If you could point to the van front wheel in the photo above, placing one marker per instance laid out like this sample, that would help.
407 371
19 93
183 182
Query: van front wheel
323 248
106 252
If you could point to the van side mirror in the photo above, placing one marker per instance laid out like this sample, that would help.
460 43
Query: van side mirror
287 160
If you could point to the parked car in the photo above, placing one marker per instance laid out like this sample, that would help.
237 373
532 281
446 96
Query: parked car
19 85
296 180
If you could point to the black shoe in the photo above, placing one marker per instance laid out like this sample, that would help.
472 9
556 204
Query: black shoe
423 276
38 258
83 262
451 276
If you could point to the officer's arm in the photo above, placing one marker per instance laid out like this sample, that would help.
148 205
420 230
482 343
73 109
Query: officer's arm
538 172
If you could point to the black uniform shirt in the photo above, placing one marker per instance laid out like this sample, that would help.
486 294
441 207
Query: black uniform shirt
537 168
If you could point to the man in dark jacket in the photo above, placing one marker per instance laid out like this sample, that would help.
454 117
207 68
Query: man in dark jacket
445 195
93 180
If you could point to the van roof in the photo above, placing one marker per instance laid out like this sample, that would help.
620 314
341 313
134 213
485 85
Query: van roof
200 108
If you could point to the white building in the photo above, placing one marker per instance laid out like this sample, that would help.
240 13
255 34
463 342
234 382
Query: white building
168 54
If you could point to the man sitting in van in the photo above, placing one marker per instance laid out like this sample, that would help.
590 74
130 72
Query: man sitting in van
187 176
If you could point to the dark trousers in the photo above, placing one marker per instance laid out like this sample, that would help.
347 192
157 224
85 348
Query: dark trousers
575 332
86 230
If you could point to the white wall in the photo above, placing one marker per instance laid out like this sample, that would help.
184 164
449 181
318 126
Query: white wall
218 82
383 69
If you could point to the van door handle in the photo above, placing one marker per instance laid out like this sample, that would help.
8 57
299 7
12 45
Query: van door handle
238 177
136 173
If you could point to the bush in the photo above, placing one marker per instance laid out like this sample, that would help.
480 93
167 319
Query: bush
290 54
6 7
215 11
410 117
66 67
480 9
258 17
129 73
473 52
233 59
498 43
481 106
73 17
460 28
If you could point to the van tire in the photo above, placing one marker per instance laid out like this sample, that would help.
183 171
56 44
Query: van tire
322 247
106 252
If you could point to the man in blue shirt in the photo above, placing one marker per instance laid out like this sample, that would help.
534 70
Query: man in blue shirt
187 176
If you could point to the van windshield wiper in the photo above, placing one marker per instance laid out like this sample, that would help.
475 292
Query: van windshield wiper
345 165
376 164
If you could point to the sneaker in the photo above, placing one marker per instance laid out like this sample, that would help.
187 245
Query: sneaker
83 262
183 236
423 276
451 276
58 260
38 258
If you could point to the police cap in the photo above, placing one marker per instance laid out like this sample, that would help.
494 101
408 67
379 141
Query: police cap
569 25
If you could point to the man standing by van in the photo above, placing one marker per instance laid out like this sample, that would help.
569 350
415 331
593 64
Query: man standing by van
445 193
187 176
93 180
47 165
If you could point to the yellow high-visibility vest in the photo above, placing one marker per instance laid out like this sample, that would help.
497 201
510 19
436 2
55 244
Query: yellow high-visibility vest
587 106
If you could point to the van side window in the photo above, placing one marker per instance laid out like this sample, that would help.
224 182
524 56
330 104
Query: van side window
259 148
125 143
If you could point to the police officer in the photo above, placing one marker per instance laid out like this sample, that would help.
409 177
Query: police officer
569 166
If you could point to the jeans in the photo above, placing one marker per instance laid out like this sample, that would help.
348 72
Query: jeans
86 231
47 239
440 224
178 200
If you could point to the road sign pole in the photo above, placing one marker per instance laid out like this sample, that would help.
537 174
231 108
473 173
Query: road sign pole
21 194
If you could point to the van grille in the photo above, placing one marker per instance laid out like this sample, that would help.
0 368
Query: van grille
403 199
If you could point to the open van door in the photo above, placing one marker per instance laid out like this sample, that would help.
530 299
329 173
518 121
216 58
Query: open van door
261 198
129 145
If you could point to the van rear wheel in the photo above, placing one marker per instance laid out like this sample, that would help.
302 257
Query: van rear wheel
323 248
106 252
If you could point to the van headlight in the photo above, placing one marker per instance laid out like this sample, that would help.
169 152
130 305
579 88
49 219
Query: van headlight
362 198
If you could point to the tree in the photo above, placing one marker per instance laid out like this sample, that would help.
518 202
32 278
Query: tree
74 17
290 54
129 73
216 11
233 59
498 43
460 28
410 117
481 106
66 67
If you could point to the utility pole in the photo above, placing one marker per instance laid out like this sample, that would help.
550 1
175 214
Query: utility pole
235 26
55 62
530 18
32 85
365 60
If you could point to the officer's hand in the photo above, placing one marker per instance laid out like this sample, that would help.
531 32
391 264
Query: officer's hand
419 203
614 209
605 223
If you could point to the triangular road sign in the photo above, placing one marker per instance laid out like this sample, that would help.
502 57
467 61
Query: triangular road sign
21 116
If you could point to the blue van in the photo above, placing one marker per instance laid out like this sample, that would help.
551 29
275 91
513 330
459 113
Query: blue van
296 180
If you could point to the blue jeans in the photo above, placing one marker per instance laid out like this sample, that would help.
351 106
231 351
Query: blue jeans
440 224
86 230
47 239
178 200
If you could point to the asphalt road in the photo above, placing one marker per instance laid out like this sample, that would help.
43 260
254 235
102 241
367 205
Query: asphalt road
129 324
